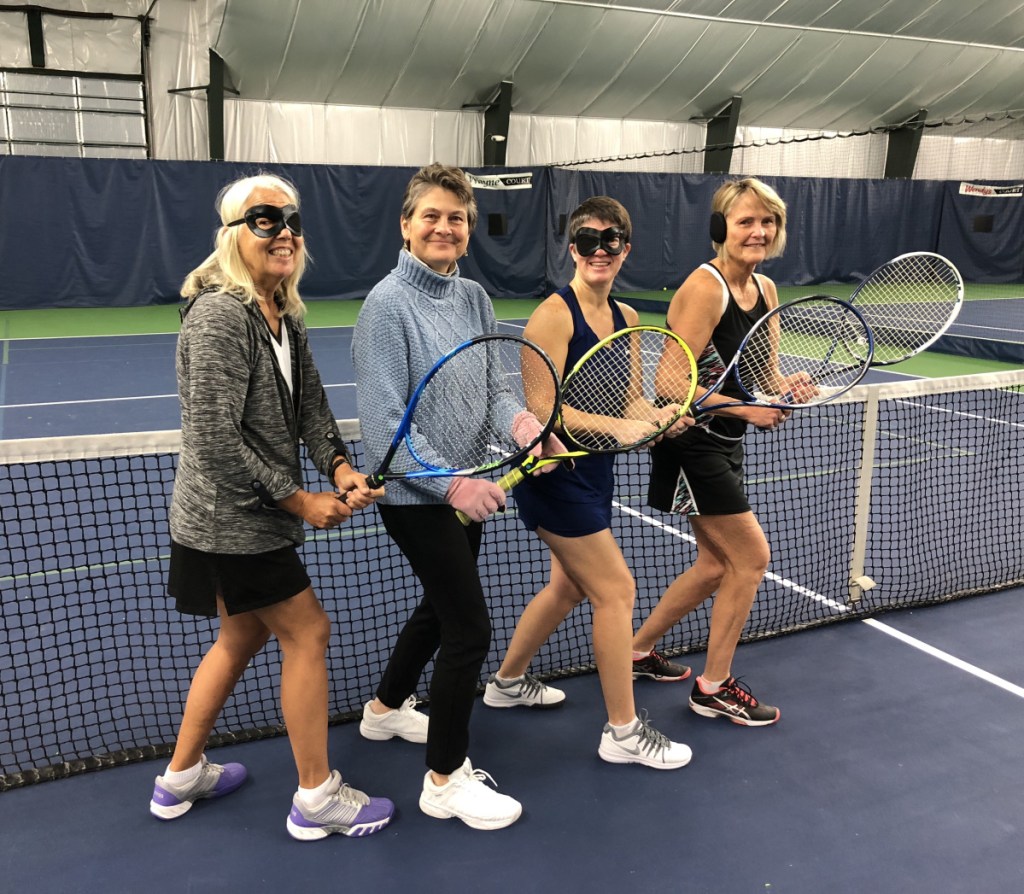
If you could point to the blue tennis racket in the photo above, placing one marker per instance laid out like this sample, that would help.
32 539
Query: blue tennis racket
800 354
458 419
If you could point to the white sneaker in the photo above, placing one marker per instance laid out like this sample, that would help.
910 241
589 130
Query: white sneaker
643 744
405 722
526 691
467 798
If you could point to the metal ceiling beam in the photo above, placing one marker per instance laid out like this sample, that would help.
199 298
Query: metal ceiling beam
496 119
722 132
901 152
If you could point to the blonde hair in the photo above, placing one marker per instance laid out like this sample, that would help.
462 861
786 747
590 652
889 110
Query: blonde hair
729 193
224 269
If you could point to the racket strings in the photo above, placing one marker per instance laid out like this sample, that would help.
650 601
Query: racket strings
804 353
621 395
907 302
463 419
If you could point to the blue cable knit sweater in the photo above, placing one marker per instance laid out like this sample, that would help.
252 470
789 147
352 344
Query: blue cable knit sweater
409 320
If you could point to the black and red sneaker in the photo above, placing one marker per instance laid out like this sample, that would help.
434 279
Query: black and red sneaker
656 667
735 701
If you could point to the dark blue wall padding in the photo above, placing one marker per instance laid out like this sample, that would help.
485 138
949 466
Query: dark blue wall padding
995 256
114 232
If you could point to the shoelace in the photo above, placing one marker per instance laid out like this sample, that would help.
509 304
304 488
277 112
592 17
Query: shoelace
352 795
531 685
409 704
650 738
740 691
478 775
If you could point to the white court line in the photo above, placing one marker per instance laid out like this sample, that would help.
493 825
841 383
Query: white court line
945 656
111 400
972 669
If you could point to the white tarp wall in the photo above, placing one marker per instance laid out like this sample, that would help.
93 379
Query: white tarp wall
311 133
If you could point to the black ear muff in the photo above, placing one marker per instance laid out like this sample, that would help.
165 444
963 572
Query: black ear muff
716 227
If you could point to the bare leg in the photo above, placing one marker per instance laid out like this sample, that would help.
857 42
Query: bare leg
240 637
303 629
732 557
596 567
539 620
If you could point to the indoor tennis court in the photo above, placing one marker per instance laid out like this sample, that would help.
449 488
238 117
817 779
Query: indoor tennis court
886 625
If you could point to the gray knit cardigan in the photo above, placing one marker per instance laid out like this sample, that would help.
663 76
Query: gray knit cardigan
240 429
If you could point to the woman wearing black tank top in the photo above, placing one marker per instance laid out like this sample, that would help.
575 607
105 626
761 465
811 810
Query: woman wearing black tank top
700 474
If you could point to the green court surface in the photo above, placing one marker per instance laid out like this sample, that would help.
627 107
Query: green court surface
96 321
972 291
77 322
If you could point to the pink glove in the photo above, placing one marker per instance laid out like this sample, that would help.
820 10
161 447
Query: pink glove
525 428
475 497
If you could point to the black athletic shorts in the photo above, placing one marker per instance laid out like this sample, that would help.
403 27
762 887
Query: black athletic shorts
244 582
697 474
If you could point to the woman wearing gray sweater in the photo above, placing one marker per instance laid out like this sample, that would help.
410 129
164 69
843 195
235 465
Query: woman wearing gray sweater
249 393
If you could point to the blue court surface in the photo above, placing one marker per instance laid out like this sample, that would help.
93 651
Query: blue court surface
895 766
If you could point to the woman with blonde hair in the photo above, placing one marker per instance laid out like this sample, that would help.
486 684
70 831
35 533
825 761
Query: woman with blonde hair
700 473
249 393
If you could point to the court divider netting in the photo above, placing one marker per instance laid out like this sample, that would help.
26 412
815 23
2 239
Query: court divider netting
897 495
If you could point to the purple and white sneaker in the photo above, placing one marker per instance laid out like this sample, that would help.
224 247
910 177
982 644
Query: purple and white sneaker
344 810
214 781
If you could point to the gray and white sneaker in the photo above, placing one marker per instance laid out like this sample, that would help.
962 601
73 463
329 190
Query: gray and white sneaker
214 781
405 722
465 797
344 810
525 691
643 744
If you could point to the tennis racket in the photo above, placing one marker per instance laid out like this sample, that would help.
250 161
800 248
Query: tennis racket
909 302
458 419
800 354
624 392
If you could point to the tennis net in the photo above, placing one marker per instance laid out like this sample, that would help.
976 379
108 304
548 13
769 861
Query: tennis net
899 495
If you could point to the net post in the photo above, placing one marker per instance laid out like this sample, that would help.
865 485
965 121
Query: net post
859 580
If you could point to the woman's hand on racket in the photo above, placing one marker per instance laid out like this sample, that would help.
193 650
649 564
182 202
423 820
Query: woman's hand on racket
764 418
526 427
800 387
322 510
476 498
353 489
684 421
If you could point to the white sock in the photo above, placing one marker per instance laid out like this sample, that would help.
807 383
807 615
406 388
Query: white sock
498 676
183 777
625 729
710 686
314 797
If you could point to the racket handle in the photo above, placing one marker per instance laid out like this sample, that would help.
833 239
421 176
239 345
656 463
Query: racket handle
506 483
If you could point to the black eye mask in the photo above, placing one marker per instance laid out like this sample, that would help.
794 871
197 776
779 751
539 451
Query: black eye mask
588 241
266 221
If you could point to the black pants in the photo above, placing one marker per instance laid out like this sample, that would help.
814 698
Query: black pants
451 620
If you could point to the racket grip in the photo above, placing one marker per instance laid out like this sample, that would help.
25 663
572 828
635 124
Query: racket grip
506 483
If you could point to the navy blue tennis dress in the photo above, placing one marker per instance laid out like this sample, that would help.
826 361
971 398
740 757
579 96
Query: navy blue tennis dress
700 472
572 502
